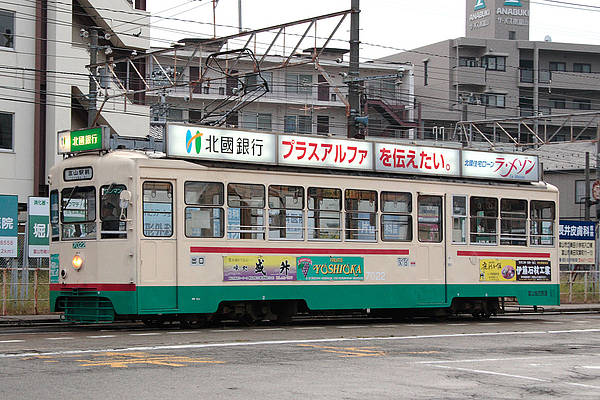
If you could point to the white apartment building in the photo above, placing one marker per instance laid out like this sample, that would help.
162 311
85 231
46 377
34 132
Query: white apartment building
44 50
300 98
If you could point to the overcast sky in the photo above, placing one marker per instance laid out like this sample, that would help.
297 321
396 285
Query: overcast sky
395 24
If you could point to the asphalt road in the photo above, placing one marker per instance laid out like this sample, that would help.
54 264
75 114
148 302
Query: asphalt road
507 357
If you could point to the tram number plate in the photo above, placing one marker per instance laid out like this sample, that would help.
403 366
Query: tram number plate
403 262
79 245
197 261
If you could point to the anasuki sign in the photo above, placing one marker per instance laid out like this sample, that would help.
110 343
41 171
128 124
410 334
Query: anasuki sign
232 145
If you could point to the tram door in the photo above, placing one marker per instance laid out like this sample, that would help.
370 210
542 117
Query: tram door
431 252
158 256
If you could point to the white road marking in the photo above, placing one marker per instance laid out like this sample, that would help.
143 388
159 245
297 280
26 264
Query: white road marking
582 322
582 385
146 334
479 371
226 330
281 342
384 326
476 360
59 338
591 366
12 341
100 336
351 326
419 325
458 324
268 329
488 323
182 332
551 322
575 331
309 327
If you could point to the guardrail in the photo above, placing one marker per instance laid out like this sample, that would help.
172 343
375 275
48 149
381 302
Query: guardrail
580 286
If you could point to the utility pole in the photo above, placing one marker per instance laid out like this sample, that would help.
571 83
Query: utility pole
353 70
588 201
240 15
93 88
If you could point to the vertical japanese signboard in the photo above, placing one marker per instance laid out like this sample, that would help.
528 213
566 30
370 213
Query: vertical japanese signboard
577 243
9 210
38 232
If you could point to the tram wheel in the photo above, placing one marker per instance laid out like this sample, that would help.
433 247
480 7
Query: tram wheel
193 323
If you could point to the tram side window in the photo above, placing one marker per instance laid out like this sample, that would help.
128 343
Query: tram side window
361 215
206 218
286 215
246 214
324 213
429 211
459 219
158 209
484 217
54 215
542 216
78 213
513 222
396 218
112 225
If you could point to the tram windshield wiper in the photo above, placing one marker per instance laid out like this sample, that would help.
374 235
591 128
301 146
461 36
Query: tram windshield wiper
69 197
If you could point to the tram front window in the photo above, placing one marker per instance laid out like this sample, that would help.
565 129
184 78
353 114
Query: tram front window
113 225
78 213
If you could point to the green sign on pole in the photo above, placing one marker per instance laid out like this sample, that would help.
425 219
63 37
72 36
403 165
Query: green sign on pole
38 231
91 139
9 211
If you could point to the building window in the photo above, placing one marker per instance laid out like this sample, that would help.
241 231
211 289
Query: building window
583 68
582 104
494 100
580 191
322 123
484 217
494 63
513 222
6 131
194 115
558 103
558 66
459 219
297 123
425 73
512 35
7 29
298 83
468 62
260 121
396 218
252 80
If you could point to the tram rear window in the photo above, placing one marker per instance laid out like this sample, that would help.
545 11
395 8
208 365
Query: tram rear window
78 213
543 214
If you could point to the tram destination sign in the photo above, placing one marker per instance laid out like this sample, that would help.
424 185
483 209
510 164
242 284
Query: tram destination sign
235 145
84 140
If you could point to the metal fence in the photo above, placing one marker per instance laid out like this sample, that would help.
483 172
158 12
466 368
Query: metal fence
580 286
24 283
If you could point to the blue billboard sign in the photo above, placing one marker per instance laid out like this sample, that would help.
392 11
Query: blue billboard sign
577 230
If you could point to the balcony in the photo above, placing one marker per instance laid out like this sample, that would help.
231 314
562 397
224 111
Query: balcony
469 76
575 80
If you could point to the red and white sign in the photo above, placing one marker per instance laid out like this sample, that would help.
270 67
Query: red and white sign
417 160
596 190
500 166
310 151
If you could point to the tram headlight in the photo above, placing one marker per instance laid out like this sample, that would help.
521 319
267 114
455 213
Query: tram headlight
77 262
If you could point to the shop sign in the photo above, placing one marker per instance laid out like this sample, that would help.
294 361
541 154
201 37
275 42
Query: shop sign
8 225
577 252
259 268
38 227
331 268
577 230
206 143
91 139
501 166
310 151
417 160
